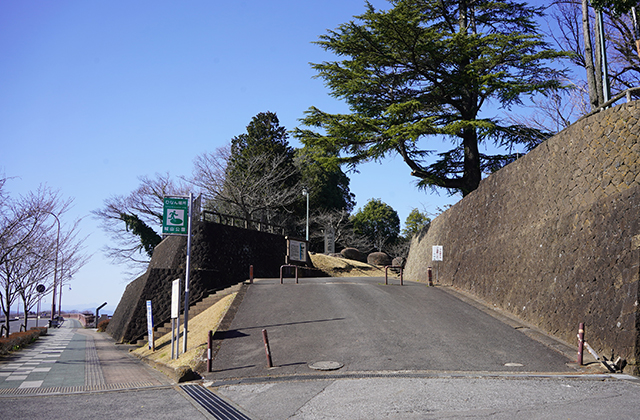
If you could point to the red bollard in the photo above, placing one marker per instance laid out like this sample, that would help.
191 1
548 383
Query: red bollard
251 274
267 350
430 276
580 343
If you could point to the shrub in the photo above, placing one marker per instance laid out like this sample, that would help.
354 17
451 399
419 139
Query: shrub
102 326
19 340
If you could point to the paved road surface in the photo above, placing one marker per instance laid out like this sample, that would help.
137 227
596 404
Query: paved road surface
73 373
369 326
409 352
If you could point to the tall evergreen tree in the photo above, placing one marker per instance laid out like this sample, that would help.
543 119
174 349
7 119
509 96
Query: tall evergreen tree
261 179
379 222
425 69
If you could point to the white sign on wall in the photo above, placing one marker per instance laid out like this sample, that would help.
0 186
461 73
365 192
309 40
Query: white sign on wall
436 253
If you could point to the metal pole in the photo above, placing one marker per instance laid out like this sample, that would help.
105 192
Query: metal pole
55 270
636 30
305 192
580 343
60 295
209 345
186 277
173 336
605 72
267 350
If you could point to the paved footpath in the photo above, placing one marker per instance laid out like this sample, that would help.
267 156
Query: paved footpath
71 359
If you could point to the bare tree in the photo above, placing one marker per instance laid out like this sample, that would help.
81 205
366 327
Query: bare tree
31 243
132 221
576 33
260 191
339 221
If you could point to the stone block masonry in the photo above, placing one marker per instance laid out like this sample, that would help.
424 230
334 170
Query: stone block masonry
220 257
554 238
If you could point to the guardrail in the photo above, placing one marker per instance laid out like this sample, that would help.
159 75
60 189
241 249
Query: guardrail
386 273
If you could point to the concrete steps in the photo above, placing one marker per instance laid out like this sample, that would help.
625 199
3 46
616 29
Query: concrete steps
194 310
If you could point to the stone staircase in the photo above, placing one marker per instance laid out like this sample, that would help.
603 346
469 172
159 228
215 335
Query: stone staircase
194 310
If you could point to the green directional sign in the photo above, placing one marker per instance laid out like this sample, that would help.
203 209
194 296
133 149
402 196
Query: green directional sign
175 216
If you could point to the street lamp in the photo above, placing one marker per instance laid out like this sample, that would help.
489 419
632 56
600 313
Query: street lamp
305 192
55 268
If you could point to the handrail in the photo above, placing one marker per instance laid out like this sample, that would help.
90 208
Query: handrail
386 272
288 266
611 101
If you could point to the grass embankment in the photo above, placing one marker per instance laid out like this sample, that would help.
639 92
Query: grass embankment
199 327
341 267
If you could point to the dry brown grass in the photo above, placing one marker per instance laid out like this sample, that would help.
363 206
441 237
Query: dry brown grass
341 267
199 327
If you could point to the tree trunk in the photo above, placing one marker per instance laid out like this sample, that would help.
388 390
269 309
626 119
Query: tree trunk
588 57
472 174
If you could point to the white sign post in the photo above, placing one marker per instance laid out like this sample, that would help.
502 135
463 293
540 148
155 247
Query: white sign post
436 255
152 344
175 322
177 217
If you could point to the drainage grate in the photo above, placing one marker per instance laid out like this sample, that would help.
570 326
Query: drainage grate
216 406
75 389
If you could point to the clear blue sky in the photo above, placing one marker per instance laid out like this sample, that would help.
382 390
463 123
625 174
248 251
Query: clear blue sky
96 93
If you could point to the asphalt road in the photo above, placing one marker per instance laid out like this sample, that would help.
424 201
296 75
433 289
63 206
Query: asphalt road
407 352
370 327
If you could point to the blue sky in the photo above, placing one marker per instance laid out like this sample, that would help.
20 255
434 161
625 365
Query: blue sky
97 93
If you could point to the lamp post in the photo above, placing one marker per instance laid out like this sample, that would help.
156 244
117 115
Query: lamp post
55 268
305 192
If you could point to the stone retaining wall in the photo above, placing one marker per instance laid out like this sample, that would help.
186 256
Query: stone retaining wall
220 257
554 237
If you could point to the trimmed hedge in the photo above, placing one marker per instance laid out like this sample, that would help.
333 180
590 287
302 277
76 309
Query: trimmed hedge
19 340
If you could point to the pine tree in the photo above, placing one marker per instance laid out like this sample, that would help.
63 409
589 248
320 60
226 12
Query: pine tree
426 69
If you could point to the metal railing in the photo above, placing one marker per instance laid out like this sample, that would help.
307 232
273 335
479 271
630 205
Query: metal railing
225 219
611 101
386 273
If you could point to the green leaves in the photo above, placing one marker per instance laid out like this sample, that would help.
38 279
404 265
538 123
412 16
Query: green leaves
425 69
149 239
379 222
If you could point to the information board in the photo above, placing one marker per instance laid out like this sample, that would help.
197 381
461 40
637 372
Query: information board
297 250
436 253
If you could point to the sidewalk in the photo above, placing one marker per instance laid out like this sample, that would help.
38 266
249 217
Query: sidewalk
70 359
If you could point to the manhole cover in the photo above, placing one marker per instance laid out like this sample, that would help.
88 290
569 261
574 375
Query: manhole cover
326 365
